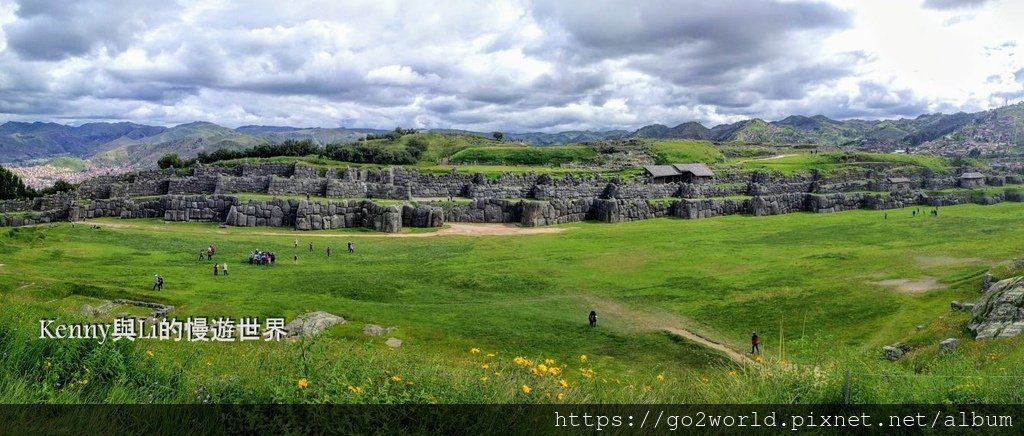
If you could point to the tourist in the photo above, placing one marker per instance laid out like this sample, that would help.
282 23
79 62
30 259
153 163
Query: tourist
351 247
200 254
328 251
216 268
156 282
295 259
225 268
159 282
296 243
886 215
593 318
755 344
310 247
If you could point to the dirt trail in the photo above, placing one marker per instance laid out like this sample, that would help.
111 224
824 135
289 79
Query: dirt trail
661 321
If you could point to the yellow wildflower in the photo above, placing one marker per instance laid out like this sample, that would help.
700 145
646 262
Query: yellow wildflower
527 389
520 361
485 379
583 358
474 350
549 362
149 353
564 384
661 377
490 354
555 371
355 389
732 373
485 366
396 378
303 383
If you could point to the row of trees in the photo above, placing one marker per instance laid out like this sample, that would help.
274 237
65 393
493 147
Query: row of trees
393 153
12 187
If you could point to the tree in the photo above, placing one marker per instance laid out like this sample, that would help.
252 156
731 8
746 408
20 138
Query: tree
12 187
60 186
498 135
170 160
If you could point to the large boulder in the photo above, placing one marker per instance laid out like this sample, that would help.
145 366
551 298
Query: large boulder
1000 313
312 323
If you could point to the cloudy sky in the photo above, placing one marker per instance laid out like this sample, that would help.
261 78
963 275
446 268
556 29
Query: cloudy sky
511 65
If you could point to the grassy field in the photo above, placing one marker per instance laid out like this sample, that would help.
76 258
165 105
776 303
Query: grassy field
526 156
804 162
685 151
825 292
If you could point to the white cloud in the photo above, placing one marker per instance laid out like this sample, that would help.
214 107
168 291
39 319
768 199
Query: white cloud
512 65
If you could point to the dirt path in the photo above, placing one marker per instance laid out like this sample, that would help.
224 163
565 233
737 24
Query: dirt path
661 321
780 156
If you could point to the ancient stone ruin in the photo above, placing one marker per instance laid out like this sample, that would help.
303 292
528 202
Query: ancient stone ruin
346 198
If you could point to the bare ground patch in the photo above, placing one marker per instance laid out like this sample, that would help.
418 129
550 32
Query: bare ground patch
654 320
937 261
911 286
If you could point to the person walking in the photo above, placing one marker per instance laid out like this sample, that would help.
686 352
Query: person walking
216 269
159 282
593 319
296 243
225 268
351 247
755 344
328 251
156 282
310 247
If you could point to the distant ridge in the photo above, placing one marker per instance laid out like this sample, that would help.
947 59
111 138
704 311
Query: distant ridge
137 144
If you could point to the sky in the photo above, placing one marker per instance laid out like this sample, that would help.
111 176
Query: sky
506 65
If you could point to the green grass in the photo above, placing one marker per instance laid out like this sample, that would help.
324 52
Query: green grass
804 162
71 163
526 156
685 151
808 281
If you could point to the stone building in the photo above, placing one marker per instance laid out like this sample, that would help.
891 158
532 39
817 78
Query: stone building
679 173
972 180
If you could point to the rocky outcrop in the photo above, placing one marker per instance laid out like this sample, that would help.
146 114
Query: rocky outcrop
312 324
1000 313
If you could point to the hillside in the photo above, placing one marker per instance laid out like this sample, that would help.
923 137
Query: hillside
990 132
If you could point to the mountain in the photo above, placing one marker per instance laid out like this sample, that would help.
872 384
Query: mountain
20 141
688 130
941 133
130 144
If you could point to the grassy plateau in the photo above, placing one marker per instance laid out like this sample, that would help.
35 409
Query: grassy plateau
498 319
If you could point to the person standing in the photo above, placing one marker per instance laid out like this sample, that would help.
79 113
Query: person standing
310 247
755 344
351 247
328 251
216 268
225 268
156 282
296 243
593 319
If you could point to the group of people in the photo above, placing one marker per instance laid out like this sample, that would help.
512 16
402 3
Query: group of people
158 282
218 268
209 252
259 257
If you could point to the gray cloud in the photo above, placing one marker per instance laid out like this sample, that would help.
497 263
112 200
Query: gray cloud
953 4
513 65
